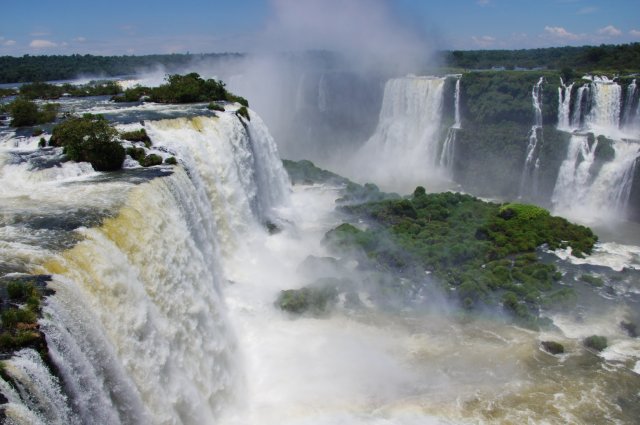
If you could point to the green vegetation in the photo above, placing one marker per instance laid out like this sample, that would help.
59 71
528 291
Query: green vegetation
47 68
151 160
171 160
595 342
89 138
591 280
313 300
214 106
19 311
189 88
620 58
552 347
483 253
8 92
243 112
46 91
306 172
137 136
26 113
136 153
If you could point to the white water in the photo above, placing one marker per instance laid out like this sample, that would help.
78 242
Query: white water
529 179
403 151
138 327
630 115
605 109
448 148
564 105
582 191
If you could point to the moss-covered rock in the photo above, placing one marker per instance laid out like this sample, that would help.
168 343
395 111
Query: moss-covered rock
313 300
136 153
137 136
171 160
552 347
151 160
592 280
595 342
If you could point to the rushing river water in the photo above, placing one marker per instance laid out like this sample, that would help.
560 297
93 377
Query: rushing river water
166 278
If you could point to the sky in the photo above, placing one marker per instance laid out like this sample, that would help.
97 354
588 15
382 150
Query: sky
118 27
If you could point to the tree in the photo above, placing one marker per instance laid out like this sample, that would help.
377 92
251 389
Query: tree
90 138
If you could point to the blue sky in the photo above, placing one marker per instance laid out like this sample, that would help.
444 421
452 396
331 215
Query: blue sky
180 26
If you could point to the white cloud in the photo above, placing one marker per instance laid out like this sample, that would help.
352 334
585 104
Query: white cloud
8 42
587 10
80 39
483 2
39 33
484 41
42 44
560 32
635 33
610 31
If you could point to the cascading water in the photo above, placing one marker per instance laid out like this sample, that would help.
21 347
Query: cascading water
137 327
631 105
582 97
605 109
448 147
564 106
403 151
583 188
529 179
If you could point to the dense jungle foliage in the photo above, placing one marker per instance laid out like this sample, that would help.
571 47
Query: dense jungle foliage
623 58
484 253
57 67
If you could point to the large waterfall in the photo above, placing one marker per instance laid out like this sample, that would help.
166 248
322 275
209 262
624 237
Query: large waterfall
587 187
403 151
138 327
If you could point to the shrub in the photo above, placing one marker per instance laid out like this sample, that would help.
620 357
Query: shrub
213 106
137 136
243 112
151 160
136 153
552 347
89 138
25 113
595 342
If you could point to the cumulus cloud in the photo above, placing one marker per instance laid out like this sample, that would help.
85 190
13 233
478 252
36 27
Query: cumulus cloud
610 31
42 44
560 32
635 33
484 41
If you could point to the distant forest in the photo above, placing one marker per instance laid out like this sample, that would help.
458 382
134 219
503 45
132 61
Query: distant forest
620 58
624 58
50 68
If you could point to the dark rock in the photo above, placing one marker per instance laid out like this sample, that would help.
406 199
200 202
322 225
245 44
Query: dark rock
552 347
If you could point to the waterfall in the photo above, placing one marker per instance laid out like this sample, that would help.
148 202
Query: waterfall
564 106
529 179
448 147
581 192
629 113
605 104
582 95
403 151
137 328
237 162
